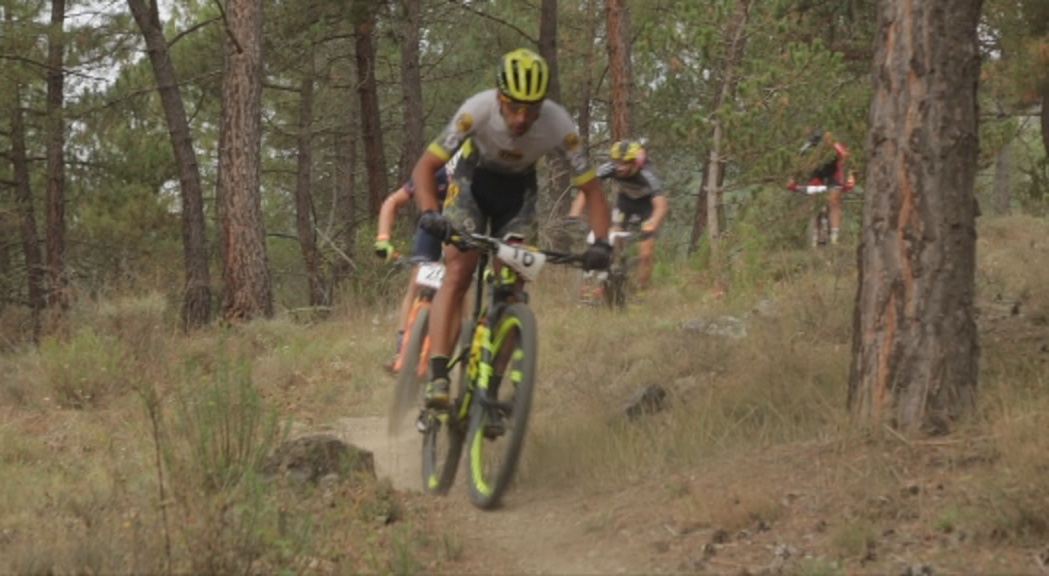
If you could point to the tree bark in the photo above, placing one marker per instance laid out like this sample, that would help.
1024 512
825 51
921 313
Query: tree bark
548 46
586 91
304 217
247 291
915 347
1045 116
58 293
374 157
559 180
617 24
196 299
35 270
411 84
345 181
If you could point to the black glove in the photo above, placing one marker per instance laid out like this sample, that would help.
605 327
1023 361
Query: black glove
436 224
598 256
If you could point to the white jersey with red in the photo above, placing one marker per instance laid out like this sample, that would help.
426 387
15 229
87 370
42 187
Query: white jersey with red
479 125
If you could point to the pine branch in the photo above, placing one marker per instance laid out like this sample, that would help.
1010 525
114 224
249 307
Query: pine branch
468 8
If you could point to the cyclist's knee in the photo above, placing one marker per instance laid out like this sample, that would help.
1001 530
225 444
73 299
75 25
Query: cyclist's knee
458 270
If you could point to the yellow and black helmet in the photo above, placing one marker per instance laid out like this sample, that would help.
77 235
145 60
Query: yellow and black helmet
523 75
628 151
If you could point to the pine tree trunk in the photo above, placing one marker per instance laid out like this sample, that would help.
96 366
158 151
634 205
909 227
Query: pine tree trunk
586 91
617 23
411 84
27 219
915 345
247 291
58 293
1045 116
559 180
345 181
709 209
196 300
304 217
374 155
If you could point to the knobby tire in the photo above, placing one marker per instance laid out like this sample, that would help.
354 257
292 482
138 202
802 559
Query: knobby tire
445 432
409 382
486 487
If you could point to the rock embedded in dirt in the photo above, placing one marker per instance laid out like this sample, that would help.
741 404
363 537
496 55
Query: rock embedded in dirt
646 400
310 458
723 326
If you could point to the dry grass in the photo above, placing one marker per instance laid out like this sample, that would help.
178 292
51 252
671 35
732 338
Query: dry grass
756 433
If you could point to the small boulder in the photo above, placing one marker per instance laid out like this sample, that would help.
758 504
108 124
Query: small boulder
310 458
723 326
646 400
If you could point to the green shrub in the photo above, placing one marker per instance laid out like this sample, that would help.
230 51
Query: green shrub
83 369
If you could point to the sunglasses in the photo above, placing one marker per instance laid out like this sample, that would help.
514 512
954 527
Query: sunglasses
516 106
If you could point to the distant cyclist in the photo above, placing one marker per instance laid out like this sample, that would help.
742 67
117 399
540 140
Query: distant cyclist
639 198
500 134
827 166
425 247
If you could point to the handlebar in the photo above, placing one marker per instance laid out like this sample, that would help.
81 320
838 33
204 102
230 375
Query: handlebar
811 189
491 244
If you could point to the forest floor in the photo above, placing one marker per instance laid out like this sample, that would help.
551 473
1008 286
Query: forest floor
799 509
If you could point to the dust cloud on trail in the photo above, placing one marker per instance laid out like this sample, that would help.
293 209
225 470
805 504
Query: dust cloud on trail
396 457
534 532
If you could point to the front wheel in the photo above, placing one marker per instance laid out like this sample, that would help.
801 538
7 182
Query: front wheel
499 415
616 288
445 433
413 374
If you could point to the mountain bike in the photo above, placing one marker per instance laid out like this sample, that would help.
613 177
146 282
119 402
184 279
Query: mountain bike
616 284
496 359
819 222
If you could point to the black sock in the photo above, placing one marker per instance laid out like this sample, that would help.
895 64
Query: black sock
439 367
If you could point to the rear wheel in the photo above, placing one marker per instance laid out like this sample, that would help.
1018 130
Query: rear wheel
615 288
499 418
410 381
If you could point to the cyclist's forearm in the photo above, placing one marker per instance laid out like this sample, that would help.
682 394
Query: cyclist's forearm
597 208
388 211
660 207
578 203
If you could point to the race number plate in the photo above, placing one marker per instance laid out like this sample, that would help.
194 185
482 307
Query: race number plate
524 261
430 275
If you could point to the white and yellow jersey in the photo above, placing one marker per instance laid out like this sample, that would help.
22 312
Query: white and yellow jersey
480 127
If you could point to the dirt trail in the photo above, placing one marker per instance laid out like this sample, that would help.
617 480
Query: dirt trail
531 533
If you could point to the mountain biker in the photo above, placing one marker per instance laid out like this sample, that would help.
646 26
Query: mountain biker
829 170
639 196
500 134
425 247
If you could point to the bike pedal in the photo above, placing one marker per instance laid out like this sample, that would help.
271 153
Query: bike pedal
493 430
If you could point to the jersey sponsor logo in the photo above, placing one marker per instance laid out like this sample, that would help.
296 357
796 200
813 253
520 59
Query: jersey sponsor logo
571 141
451 141
453 191
464 122
511 155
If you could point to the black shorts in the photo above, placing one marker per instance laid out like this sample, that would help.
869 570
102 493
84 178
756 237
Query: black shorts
484 201
631 210
425 247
